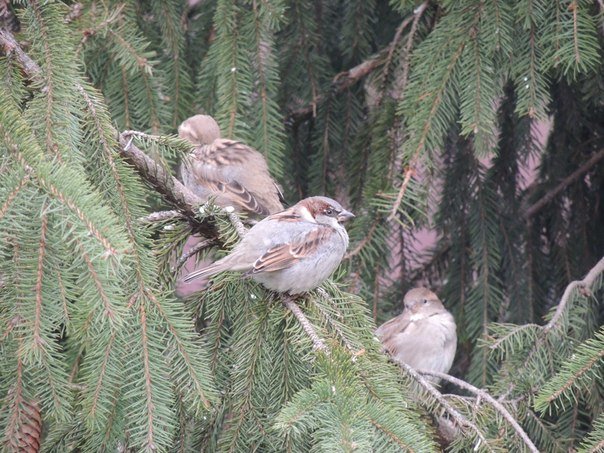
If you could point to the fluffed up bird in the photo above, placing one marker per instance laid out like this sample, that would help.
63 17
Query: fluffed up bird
423 336
293 251
233 173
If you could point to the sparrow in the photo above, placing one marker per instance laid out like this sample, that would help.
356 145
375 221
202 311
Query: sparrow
293 251
233 173
423 336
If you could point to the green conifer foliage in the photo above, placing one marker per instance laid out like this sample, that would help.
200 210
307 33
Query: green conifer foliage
418 116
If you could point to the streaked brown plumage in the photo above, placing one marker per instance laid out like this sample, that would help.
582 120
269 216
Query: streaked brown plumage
231 172
423 335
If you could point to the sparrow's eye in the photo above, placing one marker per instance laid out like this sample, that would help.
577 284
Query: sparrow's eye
328 211
425 301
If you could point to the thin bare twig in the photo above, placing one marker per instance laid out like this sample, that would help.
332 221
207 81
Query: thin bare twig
192 251
480 393
457 416
587 282
318 344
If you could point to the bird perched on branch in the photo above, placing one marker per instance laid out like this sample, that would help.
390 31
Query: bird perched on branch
292 251
423 336
230 171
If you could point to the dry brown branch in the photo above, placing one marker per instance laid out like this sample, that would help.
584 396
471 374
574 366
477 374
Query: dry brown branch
484 395
339 83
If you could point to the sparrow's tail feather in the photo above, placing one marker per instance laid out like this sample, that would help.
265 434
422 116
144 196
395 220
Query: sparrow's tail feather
208 271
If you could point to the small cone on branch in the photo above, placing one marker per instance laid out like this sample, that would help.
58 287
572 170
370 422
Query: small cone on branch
26 432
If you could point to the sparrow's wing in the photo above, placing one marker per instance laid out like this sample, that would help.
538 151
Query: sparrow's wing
390 331
220 168
238 194
279 193
284 255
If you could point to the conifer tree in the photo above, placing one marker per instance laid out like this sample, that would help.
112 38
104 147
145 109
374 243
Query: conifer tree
415 115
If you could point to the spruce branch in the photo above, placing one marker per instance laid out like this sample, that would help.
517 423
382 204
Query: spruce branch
581 285
112 315
71 203
335 327
511 333
462 421
101 378
235 221
392 46
13 194
361 245
318 343
345 79
38 340
10 45
417 14
172 189
339 83
331 322
114 16
408 173
483 394
149 397
197 386
574 176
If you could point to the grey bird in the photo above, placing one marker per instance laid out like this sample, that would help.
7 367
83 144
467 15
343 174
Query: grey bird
229 171
292 251
423 336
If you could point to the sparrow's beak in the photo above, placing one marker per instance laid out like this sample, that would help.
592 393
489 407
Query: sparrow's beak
345 215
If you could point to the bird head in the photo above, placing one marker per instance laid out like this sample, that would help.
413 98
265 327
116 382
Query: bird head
422 303
323 210
199 130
